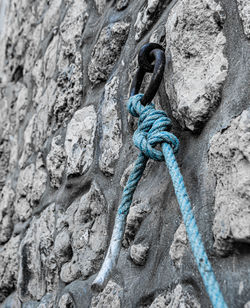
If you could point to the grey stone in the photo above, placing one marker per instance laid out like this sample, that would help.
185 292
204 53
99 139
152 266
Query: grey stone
244 11
38 269
51 17
179 245
86 219
22 205
107 51
121 4
30 187
66 301
145 18
44 105
9 267
196 43
229 162
109 297
79 141
138 211
247 305
178 298
33 47
38 128
72 27
50 59
28 147
21 105
100 5
4 159
6 212
69 92
62 246
55 162
111 141
139 253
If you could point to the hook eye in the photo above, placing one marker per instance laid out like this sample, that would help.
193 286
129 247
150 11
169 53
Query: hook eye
148 53
145 57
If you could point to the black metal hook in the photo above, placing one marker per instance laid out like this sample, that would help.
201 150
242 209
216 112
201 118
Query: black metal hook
148 53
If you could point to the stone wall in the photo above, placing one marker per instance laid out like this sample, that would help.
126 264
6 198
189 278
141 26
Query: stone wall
66 151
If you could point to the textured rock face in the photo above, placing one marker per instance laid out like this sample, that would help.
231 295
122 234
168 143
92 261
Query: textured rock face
121 4
138 254
179 245
229 160
66 151
109 297
38 265
111 125
6 212
69 83
30 187
86 219
145 18
66 301
177 298
100 5
244 11
56 162
106 51
137 213
79 141
9 267
196 44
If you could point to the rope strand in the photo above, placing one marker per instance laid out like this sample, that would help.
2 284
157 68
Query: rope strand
153 129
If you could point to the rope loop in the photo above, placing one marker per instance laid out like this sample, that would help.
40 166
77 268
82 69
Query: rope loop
153 128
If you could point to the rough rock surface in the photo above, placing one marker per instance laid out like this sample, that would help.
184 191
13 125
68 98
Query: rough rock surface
9 267
79 141
196 43
138 211
86 221
179 245
30 187
6 212
38 264
229 161
100 5
111 125
69 95
138 253
122 4
109 297
106 51
146 17
56 162
66 301
177 298
244 11
66 151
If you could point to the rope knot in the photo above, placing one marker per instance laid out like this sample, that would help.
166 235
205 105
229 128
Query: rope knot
153 128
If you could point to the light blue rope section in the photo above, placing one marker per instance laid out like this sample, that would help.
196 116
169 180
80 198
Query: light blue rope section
152 130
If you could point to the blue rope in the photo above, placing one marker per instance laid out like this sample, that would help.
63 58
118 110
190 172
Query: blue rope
152 130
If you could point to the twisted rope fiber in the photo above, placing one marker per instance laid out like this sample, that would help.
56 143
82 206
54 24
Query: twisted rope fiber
153 129
119 227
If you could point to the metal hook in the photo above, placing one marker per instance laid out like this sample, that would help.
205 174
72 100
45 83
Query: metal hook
148 53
